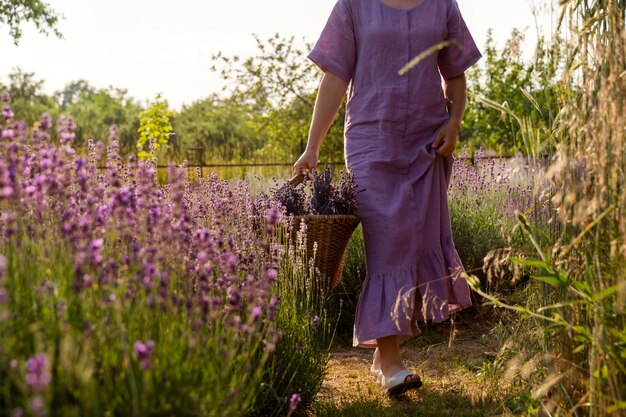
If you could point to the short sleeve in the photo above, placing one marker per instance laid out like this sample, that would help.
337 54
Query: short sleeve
463 52
335 50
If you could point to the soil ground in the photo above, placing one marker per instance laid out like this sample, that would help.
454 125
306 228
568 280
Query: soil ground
454 359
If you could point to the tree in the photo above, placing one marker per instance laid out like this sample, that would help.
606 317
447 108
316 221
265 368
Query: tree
278 86
15 12
96 110
508 95
72 92
218 129
27 97
155 128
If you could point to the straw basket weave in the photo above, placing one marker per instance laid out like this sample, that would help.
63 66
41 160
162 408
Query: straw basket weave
332 234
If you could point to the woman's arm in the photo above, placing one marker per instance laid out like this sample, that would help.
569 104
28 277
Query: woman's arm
329 98
455 90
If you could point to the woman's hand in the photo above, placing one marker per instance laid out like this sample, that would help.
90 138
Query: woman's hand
445 141
306 162
455 90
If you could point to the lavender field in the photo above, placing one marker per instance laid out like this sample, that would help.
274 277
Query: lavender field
122 296
130 291
119 296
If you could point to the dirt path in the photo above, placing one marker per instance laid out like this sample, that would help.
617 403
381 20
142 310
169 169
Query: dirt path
458 376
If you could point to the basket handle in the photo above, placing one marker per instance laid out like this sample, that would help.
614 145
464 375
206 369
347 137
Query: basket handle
300 177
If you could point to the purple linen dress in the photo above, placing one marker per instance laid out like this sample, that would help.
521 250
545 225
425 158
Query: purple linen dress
413 269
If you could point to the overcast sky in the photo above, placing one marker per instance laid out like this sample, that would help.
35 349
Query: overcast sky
164 46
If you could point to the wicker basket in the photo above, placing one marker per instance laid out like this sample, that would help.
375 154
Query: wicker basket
332 234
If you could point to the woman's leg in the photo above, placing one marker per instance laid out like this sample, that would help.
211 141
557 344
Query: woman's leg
390 359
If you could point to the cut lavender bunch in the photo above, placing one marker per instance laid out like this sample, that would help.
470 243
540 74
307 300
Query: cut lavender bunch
293 198
345 194
320 195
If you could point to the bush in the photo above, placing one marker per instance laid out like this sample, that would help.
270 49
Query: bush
119 296
485 193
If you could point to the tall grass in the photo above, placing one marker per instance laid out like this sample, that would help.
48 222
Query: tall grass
574 315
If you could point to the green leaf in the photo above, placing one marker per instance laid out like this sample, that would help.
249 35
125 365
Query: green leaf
536 263
621 335
582 331
601 372
604 294
582 287
554 280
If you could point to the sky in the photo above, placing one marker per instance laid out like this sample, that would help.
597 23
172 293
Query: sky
166 47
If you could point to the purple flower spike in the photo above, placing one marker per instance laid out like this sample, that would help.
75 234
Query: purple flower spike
315 324
46 122
8 133
95 246
3 265
272 216
294 402
6 106
38 406
256 313
65 129
7 113
143 353
37 376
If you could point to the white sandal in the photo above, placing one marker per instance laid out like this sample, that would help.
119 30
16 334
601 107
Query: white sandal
398 384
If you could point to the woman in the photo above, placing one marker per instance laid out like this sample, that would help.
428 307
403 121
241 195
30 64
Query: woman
400 132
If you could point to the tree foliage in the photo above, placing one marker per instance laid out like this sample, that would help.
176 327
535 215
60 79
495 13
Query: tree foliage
155 128
214 130
506 93
14 13
96 110
28 99
278 87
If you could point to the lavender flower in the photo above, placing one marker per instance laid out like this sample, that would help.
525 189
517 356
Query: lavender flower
143 352
272 217
294 402
272 308
65 130
95 248
37 406
7 133
322 196
315 324
7 113
203 259
45 123
37 376
256 313
293 198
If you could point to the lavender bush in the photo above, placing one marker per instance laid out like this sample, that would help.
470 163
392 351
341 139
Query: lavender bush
119 296
484 195
298 364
